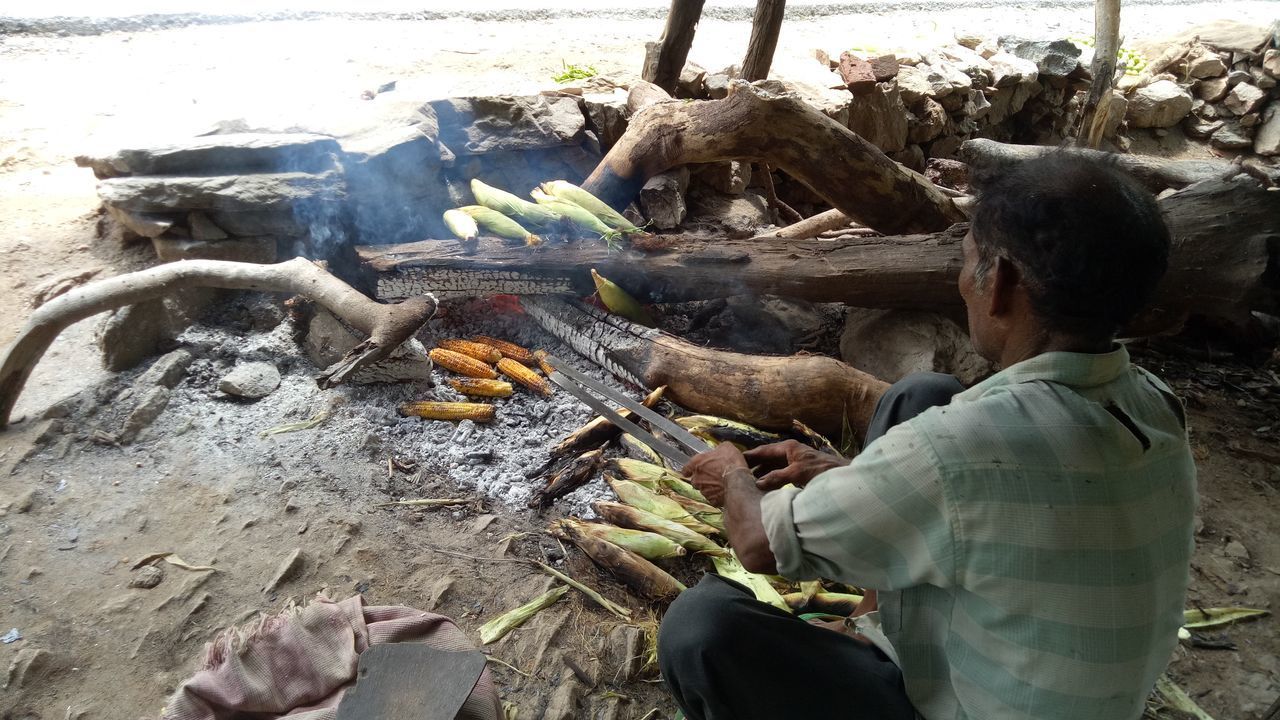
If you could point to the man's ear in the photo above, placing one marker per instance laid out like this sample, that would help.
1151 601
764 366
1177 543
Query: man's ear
1005 279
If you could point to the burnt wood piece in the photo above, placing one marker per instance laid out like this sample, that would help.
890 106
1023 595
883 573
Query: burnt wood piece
766 25
755 125
665 61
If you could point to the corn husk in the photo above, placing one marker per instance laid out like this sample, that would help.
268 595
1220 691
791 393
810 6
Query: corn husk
1177 698
638 496
627 516
648 545
718 429
1204 618
638 450
575 214
706 513
731 568
596 597
461 225
508 621
655 477
568 478
514 207
813 438
619 301
639 574
569 192
842 604
495 223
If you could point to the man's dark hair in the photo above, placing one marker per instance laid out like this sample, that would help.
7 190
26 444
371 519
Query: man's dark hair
1089 240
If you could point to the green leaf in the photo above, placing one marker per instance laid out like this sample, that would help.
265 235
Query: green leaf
1204 618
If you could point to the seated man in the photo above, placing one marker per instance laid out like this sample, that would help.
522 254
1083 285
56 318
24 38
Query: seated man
1028 537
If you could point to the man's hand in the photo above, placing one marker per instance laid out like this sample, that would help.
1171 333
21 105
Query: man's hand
707 471
799 463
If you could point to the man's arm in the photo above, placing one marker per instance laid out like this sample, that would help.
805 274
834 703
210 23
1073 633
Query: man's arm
743 524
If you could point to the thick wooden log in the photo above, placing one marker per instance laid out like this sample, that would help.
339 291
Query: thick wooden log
665 59
766 25
1219 259
755 125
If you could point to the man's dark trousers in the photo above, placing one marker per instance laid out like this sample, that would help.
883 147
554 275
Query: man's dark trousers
726 656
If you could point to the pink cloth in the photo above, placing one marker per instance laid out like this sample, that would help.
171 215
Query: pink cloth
299 663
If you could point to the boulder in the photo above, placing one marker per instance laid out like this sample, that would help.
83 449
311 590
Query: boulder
880 117
262 250
1244 98
1161 104
147 225
213 154
892 344
159 193
884 67
1261 78
738 215
945 78
978 68
717 86
255 223
662 198
930 122
1008 70
690 82
153 402
167 371
1266 141
1200 129
328 339
1231 136
858 75
913 84
730 177
1204 63
251 380
1213 90
478 125
134 333
1054 59
1271 63
767 324
608 114
911 156
832 103
202 227
394 184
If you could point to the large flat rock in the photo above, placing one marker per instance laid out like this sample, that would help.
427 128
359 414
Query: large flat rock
243 152
230 193
478 125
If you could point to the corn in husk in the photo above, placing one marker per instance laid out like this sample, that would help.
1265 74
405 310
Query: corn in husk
524 375
712 428
477 387
516 208
730 567
572 476
461 225
495 223
639 574
638 496
655 477
1205 618
569 192
627 516
712 516
455 411
462 364
508 621
648 545
479 351
511 350
827 603
619 301
574 214
1178 699
639 451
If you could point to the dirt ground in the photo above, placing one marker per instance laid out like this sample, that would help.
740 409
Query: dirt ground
76 515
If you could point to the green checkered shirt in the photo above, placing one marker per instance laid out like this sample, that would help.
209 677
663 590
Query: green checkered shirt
1030 540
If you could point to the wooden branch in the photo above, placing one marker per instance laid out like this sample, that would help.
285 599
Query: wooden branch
1157 174
386 325
768 392
1106 43
753 124
766 25
815 225
664 63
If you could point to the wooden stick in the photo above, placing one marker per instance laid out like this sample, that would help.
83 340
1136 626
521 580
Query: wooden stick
665 61
1106 43
766 25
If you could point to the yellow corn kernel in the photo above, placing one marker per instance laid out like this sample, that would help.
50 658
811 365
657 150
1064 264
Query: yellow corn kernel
508 350
477 412
479 351
481 388
524 376
540 356
462 364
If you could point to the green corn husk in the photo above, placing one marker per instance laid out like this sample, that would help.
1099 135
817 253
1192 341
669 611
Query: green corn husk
619 301
627 516
654 477
639 451
648 545
514 207
842 604
710 427
498 224
1204 618
1178 698
508 621
640 497
569 192
729 567
639 574
575 214
461 225
702 511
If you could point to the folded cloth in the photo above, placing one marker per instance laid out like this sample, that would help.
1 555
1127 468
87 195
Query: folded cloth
298 664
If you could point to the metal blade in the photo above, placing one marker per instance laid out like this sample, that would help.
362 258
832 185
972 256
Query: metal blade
662 447
681 435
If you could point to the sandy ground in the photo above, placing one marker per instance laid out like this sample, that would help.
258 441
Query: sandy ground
117 652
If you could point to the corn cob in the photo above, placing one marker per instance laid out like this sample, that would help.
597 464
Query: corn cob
462 364
639 450
712 516
729 567
710 427
648 545
641 575
461 224
508 349
568 478
540 357
526 376
477 387
477 412
513 207
479 351
575 214
569 192
627 516
599 430
495 223
823 602
619 301
508 621
638 496
655 476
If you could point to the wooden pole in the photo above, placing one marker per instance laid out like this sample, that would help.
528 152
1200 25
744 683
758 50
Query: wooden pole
765 27
665 59
1106 43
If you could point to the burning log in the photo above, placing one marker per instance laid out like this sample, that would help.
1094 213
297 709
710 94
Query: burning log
388 326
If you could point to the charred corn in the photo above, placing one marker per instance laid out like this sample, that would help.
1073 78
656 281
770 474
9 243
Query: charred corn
495 223
648 545
569 192
526 376
575 214
508 349
823 602
516 208
479 387
813 438
540 357
709 427
619 301
638 496
462 364
461 224
627 516
476 412
479 351
570 477
600 430
641 575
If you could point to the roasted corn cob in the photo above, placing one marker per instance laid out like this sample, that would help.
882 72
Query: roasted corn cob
569 192
648 545
823 602
477 412
627 516
640 497
641 575
524 375
478 387
461 224
566 479
516 208
479 351
462 364
495 223
813 438
710 427
508 349
619 301
540 357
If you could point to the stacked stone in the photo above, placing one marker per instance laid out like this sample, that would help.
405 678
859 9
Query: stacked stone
1227 97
